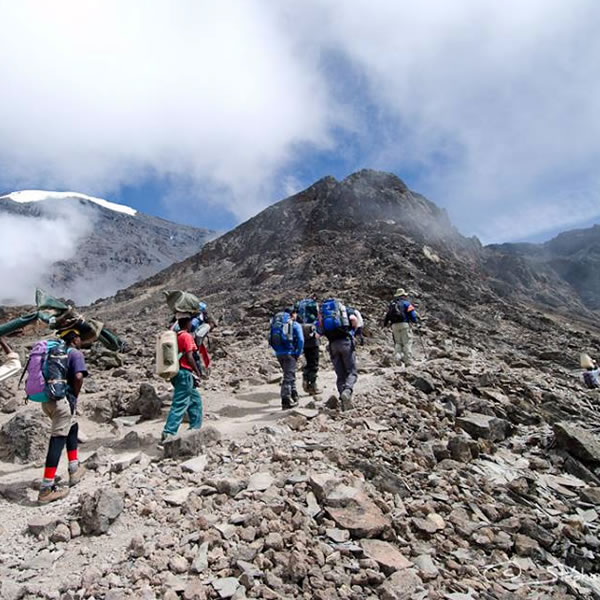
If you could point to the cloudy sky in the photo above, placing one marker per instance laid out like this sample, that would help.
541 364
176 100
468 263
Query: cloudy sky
206 112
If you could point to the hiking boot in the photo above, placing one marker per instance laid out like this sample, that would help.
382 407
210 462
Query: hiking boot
346 399
295 396
313 390
75 476
288 403
165 437
50 494
306 386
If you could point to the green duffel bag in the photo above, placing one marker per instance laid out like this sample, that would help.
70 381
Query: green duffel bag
182 302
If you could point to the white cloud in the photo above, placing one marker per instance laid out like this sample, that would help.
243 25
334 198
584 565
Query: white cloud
28 252
491 106
490 101
98 94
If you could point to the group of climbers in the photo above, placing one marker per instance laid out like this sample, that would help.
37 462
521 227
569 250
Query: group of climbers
298 329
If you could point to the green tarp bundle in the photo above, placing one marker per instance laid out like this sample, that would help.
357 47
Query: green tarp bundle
182 302
59 316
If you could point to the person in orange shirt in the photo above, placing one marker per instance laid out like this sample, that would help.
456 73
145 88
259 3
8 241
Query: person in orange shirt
186 397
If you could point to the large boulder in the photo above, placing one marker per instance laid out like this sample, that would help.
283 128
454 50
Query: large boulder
582 444
190 442
99 510
25 437
487 427
349 506
146 403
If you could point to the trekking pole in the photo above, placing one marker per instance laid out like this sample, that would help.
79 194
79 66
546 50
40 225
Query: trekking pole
422 343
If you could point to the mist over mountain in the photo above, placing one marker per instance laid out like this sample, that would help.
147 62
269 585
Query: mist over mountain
83 248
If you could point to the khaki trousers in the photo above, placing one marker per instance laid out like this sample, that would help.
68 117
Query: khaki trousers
402 342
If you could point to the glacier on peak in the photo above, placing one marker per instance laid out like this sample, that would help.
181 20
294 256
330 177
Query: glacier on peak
25 196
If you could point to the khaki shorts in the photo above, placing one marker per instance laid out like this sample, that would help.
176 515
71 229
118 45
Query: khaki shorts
59 412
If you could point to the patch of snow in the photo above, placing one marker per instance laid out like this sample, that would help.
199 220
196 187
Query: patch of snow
25 196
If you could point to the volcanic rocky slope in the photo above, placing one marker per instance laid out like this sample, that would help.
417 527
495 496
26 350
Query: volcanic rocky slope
573 256
117 249
475 474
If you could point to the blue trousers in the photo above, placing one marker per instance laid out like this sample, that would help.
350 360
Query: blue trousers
186 398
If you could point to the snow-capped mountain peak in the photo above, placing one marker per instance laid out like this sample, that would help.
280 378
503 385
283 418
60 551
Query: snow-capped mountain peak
26 196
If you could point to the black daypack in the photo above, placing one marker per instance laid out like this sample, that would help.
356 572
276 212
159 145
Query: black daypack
397 313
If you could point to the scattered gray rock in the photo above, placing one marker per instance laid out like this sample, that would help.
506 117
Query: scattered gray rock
226 586
388 557
400 585
42 525
196 464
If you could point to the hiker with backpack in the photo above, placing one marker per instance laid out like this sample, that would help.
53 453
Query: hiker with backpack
308 317
591 375
202 324
401 314
358 333
339 328
12 365
186 397
287 340
55 373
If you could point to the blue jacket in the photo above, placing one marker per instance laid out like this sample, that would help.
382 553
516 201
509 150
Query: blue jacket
297 341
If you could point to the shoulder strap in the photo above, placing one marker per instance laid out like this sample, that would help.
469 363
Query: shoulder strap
24 371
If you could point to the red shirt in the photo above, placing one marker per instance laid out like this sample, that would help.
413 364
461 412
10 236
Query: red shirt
185 343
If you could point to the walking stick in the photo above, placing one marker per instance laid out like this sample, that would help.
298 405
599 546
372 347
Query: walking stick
422 343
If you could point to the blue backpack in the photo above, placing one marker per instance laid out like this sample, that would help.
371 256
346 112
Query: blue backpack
281 333
308 311
334 319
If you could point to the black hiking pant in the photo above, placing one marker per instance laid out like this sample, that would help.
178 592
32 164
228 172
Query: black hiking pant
288 383
311 368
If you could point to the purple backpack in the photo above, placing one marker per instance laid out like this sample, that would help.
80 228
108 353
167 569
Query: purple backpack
47 371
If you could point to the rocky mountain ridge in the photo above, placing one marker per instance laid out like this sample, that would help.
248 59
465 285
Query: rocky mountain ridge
115 246
573 256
